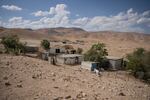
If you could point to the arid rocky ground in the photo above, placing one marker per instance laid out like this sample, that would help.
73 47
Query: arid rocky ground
24 78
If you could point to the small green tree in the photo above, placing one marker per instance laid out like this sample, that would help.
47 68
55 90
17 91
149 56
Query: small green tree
96 53
45 44
139 61
79 50
12 44
146 64
135 60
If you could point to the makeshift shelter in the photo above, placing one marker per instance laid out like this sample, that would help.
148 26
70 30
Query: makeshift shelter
115 63
57 50
45 55
31 48
52 59
89 65
69 59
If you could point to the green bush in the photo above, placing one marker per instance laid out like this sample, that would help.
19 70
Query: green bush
45 44
139 61
12 44
96 53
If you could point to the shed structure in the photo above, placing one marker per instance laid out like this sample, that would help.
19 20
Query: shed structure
45 55
69 59
31 48
89 65
57 50
115 63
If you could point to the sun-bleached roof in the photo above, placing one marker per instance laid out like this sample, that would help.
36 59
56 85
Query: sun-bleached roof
113 57
69 55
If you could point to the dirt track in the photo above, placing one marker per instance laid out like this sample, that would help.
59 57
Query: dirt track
24 78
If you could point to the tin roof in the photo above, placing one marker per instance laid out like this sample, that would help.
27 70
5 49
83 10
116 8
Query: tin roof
31 45
113 57
70 55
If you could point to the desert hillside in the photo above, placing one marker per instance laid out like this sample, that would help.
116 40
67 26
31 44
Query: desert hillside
29 78
22 33
117 43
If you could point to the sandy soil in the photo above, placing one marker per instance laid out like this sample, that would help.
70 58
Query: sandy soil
24 78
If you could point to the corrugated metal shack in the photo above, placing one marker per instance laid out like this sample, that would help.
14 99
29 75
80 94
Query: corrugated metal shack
115 63
57 50
31 48
69 59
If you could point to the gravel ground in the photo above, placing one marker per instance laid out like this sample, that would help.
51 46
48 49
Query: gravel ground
25 78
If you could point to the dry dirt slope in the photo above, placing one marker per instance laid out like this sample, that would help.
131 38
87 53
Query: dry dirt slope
24 78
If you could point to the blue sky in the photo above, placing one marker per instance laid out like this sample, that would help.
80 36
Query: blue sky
91 15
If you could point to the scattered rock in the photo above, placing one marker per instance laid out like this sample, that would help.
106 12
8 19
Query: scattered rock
66 85
53 79
58 98
103 88
110 90
68 97
7 84
84 94
83 81
140 87
19 86
95 98
122 94
56 87
68 79
81 95
53 74
35 76
7 63
20 81
5 78
35 98
106 98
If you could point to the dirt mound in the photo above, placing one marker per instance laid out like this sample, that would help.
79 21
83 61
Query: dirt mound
29 78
